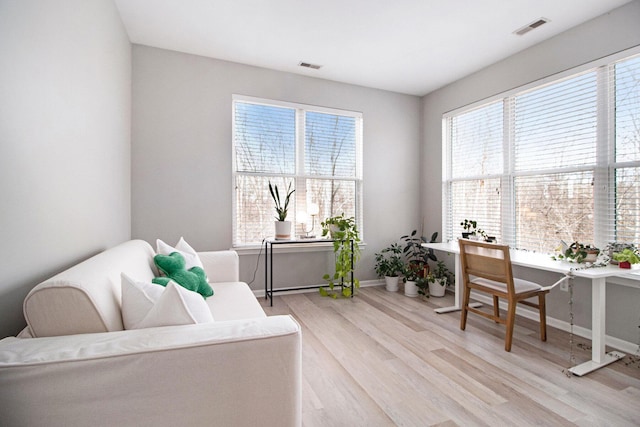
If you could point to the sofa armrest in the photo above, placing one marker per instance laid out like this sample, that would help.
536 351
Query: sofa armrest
221 266
240 373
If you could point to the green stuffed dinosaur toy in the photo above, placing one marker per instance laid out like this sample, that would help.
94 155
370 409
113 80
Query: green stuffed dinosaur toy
172 266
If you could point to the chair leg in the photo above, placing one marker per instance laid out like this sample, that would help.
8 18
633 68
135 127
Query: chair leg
465 304
496 307
543 317
511 319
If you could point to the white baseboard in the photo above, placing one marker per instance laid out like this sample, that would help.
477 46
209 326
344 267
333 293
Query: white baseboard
580 331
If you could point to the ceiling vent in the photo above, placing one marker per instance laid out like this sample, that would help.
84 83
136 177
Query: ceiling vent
309 65
524 30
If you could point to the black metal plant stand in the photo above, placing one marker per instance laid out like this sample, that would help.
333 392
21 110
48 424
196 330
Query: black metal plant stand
268 266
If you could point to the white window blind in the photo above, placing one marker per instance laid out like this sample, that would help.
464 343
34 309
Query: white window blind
554 144
560 161
476 168
316 150
626 174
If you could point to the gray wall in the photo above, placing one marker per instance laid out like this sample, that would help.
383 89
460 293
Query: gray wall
605 35
182 166
65 90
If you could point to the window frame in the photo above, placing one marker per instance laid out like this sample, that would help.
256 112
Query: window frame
299 176
603 169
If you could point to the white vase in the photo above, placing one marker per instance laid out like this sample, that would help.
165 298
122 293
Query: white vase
437 288
410 289
392 283
283 230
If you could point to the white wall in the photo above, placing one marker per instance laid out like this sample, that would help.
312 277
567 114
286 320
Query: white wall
605 35
181 150
65 90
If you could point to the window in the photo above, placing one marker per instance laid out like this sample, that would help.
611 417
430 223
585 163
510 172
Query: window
558 161
316 150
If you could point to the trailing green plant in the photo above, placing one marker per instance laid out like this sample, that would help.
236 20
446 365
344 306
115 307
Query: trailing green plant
346 249
281 208
389 261
423 284
576 252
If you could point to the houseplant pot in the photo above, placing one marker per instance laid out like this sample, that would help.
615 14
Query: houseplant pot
437 287
410 289
627 257
283 227
283 230
438 280
390 265
391 283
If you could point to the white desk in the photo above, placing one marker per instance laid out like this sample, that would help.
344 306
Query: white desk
598 276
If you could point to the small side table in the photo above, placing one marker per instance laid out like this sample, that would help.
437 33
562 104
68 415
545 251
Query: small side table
268 265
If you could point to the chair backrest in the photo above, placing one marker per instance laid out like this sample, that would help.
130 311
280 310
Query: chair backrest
486 260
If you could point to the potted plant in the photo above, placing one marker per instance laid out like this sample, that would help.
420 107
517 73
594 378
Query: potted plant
283 227
578 252
626 258
616 247
346 249
439 278
413 271
417 254
470 228
390 265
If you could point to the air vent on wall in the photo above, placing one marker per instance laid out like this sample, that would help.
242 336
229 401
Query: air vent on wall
309 65
524 30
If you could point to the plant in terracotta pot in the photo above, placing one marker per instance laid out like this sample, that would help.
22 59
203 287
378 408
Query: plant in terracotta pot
283 227
390 265
626 258
417 255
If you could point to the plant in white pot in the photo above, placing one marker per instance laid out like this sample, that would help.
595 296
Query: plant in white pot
283 227
438 279
390 265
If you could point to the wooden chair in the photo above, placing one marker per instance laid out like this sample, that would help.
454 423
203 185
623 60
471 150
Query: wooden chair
486 267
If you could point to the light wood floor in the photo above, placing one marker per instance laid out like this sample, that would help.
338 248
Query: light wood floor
384 359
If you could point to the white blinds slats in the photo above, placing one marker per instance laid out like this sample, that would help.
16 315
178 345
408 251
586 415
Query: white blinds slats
571 156
317 152
264 138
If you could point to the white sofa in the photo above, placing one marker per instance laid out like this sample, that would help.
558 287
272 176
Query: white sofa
74 365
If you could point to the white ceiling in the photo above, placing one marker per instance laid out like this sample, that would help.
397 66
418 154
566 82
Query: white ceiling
406 46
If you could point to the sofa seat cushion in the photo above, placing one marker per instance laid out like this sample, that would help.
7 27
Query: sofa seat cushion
233 301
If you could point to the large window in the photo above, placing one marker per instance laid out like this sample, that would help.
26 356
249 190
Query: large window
557 161
318 151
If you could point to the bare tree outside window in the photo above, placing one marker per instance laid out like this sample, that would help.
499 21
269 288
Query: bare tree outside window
317 151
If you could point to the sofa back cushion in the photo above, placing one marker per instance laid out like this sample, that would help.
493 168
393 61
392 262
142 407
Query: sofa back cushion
86 297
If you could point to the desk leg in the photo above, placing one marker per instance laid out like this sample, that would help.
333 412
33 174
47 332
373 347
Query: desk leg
457 292
599 357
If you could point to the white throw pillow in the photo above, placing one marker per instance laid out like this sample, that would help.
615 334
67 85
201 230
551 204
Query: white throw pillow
190 255
147 305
